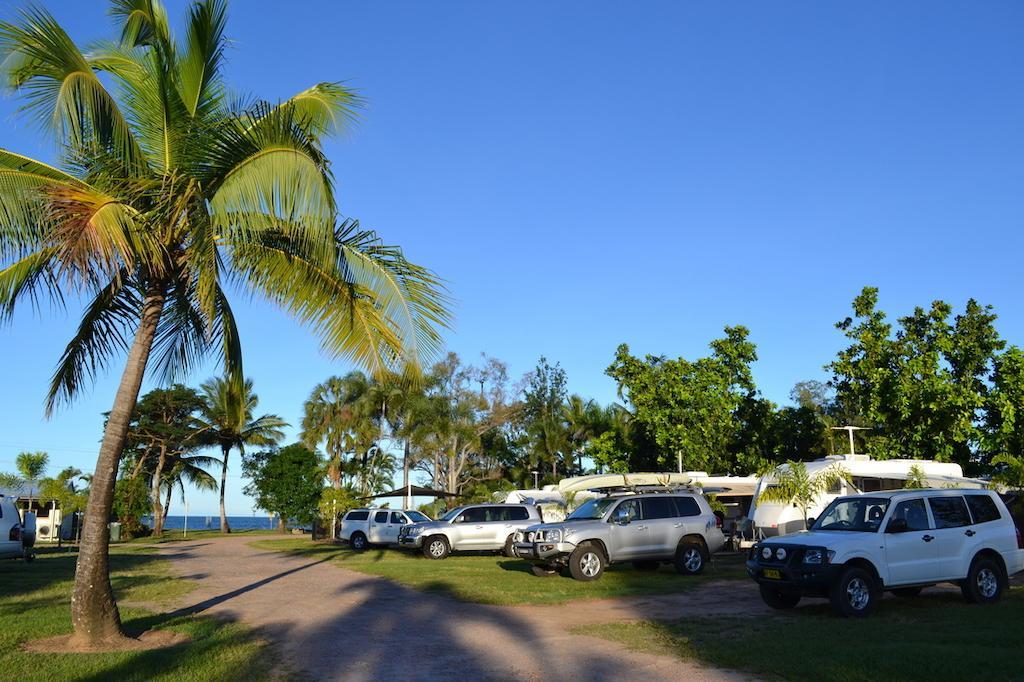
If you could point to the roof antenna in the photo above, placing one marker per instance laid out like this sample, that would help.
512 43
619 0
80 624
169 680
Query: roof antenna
849 430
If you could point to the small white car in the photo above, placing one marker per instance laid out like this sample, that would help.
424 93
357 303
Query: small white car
17 537
364 527
899 541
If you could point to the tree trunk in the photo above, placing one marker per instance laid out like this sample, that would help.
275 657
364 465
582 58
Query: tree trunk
94 612
225 451
167 501
281 528
158 510
437 470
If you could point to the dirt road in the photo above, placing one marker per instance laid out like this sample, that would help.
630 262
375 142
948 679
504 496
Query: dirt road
332 623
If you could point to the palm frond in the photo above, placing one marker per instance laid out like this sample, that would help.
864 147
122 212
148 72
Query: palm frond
202 56
101 334
326 108
142 22
60 89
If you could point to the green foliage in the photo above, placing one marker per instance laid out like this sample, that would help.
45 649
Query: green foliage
32 466
9 481
131 503
690 408
916 478
335 502
65 490
286 481
1009 471
543 415
1004 417
791 483
922 387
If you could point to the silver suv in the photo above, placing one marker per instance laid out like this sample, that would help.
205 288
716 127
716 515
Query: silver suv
477 527
647 529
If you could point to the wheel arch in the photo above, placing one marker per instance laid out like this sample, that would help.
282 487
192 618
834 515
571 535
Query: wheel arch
597 542
867 565
694 536
989 553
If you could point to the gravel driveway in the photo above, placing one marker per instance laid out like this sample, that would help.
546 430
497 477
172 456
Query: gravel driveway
332 623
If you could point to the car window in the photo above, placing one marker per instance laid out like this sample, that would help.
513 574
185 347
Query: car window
358 515
417 517
913 512
397 517
518 514
983 508
658 508
949 512
687 506
631 506
496 513
473 515
854 514
380 517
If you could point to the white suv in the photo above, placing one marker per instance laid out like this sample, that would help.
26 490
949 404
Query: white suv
899 541
362 528
17 535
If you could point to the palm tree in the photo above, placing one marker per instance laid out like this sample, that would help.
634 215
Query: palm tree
228 423
338 414
32 466
168 189
793 484
584 420
188 469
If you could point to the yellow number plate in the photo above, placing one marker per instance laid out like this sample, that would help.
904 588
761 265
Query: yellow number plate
772 573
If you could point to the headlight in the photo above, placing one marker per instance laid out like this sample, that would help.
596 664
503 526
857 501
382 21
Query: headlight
766 552
415 531
780 554
813 556
553 536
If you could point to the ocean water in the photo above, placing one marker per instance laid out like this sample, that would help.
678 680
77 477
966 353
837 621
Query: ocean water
213 522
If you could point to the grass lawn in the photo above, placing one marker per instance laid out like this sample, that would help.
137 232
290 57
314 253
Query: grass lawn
935 636
491 579
35 603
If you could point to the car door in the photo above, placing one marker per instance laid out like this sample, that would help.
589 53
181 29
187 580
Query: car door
472 529
952 533
662 526
8 519
378 530
395 523
909 555
628 541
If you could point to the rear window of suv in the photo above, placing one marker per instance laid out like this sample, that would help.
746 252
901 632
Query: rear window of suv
949 512
983 508
658 508
687 506
357 516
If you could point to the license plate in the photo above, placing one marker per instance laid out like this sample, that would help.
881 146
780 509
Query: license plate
772 573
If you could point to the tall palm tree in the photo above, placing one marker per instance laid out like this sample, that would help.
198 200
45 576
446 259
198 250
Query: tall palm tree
188 469
169 188
792 483
338 415
32 466
227 422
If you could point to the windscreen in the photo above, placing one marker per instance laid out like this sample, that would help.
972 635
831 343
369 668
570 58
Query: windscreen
863 514
592 509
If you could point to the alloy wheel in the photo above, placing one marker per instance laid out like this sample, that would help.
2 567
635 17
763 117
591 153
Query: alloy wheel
692 559
590 564
858 593
988 583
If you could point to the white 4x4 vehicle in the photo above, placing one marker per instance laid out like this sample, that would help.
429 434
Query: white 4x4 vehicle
365 527
899 541
648 529
17 537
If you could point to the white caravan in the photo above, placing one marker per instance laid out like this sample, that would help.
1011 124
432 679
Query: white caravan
867 475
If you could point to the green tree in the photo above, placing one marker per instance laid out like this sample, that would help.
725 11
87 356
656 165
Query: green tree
1004 413
339 416
793 484
67 489
9 481
690 408
170 188
228 423
191 469
543 415
164 427
916 478
286 481
32 466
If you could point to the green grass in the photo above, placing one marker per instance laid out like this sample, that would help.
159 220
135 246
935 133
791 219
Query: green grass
935 636
491 579
35 603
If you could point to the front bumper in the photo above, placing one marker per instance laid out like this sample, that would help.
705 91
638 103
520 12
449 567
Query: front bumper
809 579
411 541
543 552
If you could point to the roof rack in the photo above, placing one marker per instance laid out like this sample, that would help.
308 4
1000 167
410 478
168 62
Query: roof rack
639 489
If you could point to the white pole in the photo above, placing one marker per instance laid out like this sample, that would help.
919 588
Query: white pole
850 431
184 530
679 458
334 518
408 494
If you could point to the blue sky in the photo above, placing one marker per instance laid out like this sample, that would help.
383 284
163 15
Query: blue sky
585 174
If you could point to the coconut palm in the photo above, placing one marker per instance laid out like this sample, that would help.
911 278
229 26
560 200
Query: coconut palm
339 415
32 466
227 422
167 189
189 469
792 483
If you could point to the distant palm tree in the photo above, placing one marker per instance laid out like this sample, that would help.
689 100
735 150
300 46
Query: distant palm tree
339 415
227 422
584 420
171 187
189 469
792 483
11 482
32 466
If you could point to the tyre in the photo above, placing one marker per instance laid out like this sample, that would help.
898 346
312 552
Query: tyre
779 599
907 592
436 547
855 594
691 556
509 549
30 557
358 542
586 562
984 583
646 565
542 571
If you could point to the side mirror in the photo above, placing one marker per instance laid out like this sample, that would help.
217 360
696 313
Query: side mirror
460 518
896 526
810 521
621 516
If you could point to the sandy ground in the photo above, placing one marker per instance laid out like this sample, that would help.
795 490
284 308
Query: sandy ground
336 624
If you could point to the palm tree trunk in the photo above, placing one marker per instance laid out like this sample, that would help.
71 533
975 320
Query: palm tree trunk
94 612
167 500
158 511
224 527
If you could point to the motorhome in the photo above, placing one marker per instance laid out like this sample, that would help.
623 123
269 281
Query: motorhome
866 475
